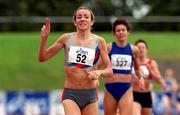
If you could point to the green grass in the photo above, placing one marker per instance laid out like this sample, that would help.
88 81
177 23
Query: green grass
20 69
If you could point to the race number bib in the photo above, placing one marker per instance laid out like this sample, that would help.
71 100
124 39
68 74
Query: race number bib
81 55
144 70
121 62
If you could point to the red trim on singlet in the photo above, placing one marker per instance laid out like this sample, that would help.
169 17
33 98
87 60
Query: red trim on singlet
79 65
149 62
150 74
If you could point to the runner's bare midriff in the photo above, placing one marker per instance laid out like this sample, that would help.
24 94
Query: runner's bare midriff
77 78
119 78
147 86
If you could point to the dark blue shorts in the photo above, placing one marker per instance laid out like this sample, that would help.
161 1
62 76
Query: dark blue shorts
117 89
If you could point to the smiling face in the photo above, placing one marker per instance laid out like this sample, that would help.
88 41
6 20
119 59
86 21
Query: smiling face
83 19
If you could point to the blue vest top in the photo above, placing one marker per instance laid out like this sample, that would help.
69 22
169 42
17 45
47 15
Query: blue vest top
121 59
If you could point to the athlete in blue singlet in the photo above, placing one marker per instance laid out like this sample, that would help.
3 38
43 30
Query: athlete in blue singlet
118 90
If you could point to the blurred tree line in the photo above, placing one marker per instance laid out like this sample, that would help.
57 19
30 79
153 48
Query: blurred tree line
138 9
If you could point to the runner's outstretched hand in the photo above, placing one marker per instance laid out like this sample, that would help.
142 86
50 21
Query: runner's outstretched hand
45 30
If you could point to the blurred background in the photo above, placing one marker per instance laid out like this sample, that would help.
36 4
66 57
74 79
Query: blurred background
29 87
